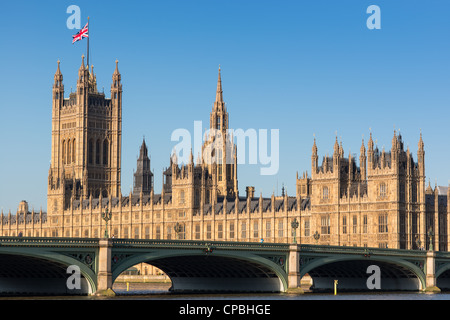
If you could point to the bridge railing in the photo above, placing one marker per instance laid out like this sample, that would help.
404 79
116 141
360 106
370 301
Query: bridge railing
200 244
361 250
46 241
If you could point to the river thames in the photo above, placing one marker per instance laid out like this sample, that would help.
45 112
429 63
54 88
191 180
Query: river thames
149 299
160 291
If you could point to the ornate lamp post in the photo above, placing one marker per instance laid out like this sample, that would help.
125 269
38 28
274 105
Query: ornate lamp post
430 235
294 226
106 216
418 242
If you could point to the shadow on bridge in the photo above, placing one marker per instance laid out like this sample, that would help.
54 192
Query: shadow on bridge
27 275
355 275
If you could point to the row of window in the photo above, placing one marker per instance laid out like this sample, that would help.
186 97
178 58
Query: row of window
382 192
68 148
68 151
325 225
101 152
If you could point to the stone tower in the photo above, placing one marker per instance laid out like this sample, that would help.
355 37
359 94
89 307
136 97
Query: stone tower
219 151
143 177
86 140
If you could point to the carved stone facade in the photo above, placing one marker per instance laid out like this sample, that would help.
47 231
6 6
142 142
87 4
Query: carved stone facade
380 202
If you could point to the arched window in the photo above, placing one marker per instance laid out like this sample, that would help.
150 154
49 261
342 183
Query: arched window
63 152
90 151
219 160
105 152
73 151
382 189
218 123
69 151
97 152
197 198
325 193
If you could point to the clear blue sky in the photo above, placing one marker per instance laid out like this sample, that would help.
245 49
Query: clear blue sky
303 67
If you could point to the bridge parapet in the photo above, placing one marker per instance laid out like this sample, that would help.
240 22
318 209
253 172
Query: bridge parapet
50 242
193 244
363 250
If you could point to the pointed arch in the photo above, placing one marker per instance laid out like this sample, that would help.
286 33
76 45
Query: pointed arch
73 151
63 151
69 151
90 151
105 152
97 152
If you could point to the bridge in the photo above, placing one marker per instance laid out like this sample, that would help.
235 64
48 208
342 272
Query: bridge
37 266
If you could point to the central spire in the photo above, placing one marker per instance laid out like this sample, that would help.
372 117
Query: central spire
219 95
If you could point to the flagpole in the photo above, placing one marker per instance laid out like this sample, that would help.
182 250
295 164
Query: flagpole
89 31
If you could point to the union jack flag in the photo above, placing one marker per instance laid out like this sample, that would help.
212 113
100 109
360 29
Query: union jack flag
82 34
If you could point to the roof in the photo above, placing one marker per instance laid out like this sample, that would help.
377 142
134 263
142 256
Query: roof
254 205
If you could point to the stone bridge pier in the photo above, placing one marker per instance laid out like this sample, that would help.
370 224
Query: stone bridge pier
104 275
294 275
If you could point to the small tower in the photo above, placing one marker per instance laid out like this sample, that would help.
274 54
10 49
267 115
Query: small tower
370 154
143 177
362 162
219 114
314 159
219 151
116 131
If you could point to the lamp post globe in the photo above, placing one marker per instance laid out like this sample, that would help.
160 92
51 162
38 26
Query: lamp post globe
106 216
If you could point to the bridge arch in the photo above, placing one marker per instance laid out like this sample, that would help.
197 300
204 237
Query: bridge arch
351 273
443 277
219 271
39 272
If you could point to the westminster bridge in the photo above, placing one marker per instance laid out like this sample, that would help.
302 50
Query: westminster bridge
38 266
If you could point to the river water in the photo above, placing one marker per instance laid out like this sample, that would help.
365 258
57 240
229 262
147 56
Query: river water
160 291
150 299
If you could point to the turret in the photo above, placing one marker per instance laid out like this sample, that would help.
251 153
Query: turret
336 155
314 159
83 84
362 161
421 156
395 152
143 177
58 88
370 153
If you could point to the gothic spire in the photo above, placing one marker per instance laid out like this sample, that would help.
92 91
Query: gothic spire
314 148
363 148
116 71
58 70
219 94
82 67
370 144
421 144
143 152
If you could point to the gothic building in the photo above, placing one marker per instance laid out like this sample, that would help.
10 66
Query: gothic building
86 140
377 200
381 202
